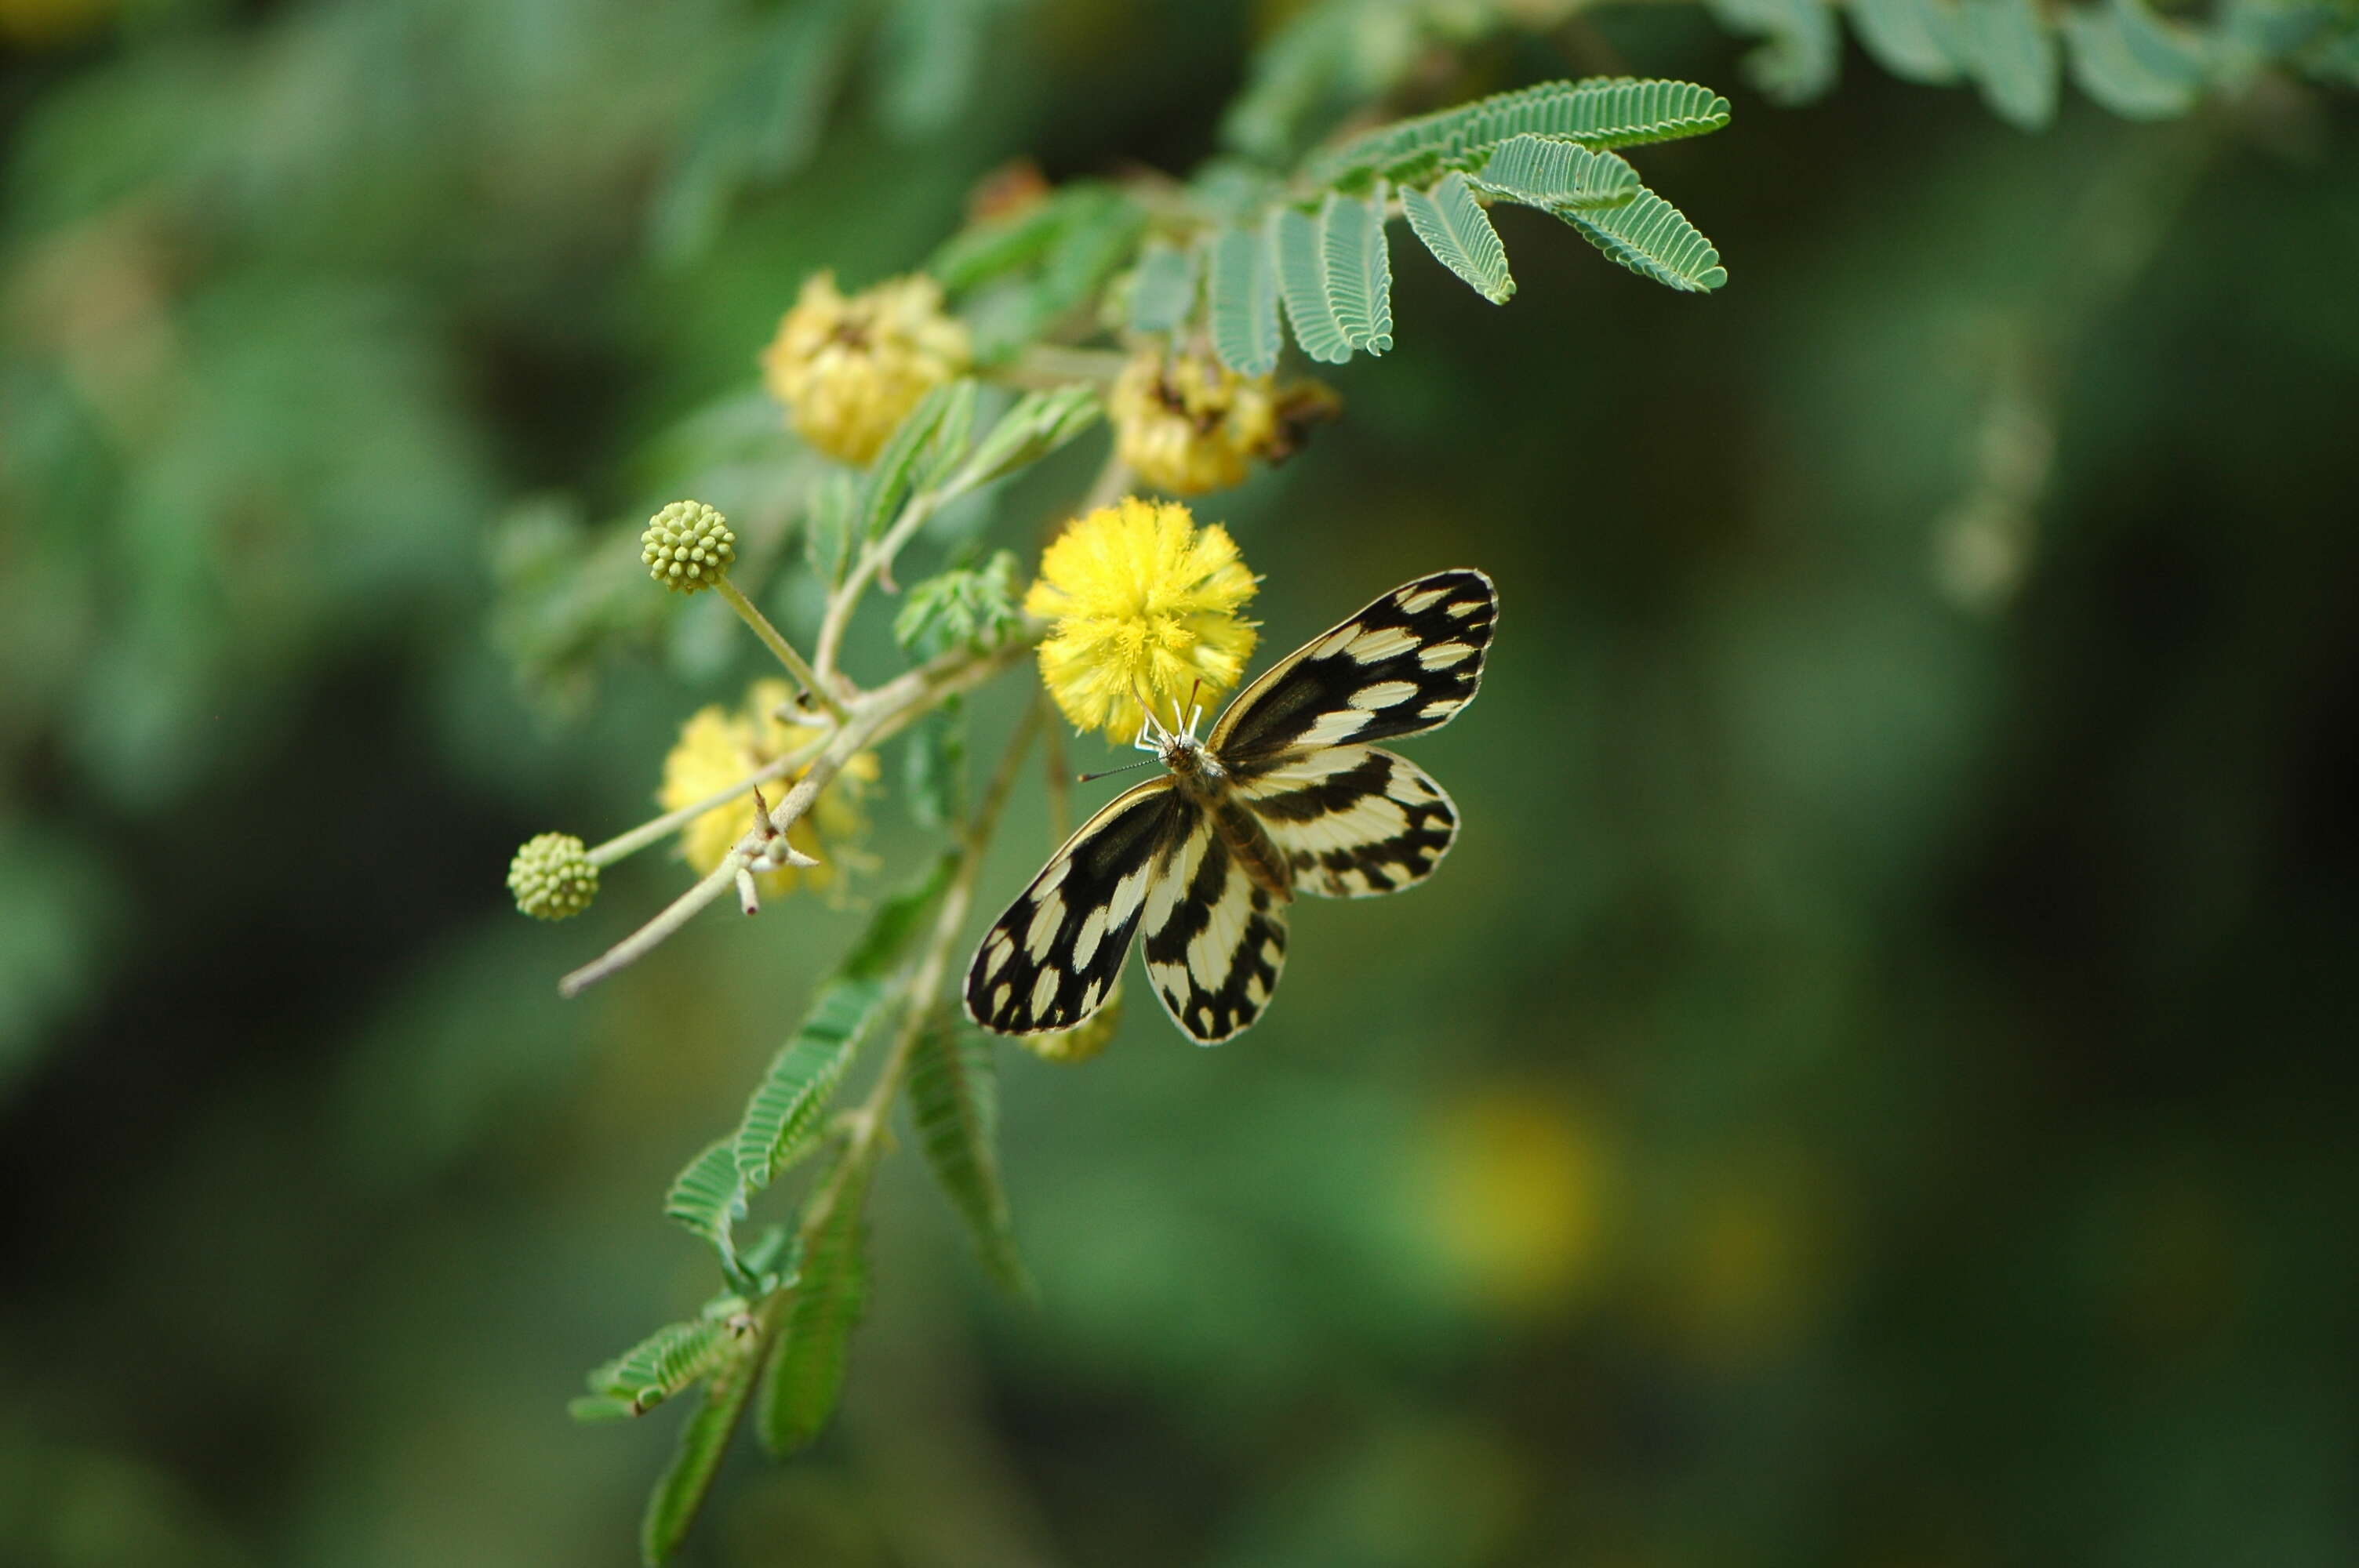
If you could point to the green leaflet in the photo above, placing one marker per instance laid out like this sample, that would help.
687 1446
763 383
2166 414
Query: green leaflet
928 441
1299 242
664 1363
1537 172
806 1373
1598 113
679 1493
1804 47
1164 291
1652 238
1359 269
954 1104
2013 59
709 1198
1039 424
1917 41
1001 245
962 608
1459 233
782 1120
2132 62
1244 303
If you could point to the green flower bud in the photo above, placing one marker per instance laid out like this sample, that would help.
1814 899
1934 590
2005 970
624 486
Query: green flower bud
688 545
552 878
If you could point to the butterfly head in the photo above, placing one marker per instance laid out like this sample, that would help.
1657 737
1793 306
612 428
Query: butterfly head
1182 750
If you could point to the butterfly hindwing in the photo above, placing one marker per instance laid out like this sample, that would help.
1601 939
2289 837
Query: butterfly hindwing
1352 821
1408 662
1050 962
1215 938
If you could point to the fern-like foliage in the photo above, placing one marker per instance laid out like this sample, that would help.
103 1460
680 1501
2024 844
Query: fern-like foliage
668 1360
1555 176
1359 268
1598 114
709 1198
2015 52
1298 240
679 1493
954 1103
806 1373
1650 237
1244 303
783 1119
1459 233
1545 146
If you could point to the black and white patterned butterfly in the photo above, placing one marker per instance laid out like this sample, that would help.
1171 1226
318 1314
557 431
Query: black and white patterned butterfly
1284 796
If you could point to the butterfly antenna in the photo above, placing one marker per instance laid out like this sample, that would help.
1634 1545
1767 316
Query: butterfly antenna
1093 778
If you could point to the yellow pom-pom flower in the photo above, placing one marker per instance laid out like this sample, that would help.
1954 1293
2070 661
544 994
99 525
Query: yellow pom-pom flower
717 748
1145 606
1186 423
849 369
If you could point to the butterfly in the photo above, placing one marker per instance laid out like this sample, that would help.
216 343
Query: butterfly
1284 796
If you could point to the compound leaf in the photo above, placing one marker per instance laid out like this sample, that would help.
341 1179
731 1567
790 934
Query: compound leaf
1359 269
1458 232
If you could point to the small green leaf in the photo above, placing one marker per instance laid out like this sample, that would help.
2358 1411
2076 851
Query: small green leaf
2132 62
1164 291
961 608
782 1120
1917 41
664 1363
827 524
1653 239
1244 303
954 1103
1459 233
672 1506
806 1373
594 1409
895 473
1598 113
1804 47
998 246
1556 175
2013 58
709 1198
1039 424
1299 242
1359 269
898 921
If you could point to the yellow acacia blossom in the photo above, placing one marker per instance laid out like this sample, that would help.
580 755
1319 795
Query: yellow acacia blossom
849 369
718 748
1144 605
1186 423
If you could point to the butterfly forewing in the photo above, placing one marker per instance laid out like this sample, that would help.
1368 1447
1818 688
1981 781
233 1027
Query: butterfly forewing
1352 821
1408 662
1215 938
1053 957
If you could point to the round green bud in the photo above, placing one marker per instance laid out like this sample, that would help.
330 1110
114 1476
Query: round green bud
552 877
688 545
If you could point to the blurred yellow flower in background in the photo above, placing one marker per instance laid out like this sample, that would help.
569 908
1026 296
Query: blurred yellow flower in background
717 748
1518 1184
1186 423
1145 607
849 369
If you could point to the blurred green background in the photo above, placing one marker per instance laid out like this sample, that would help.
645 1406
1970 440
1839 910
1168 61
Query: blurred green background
1873 1084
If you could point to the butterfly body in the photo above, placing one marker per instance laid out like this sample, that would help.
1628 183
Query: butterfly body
1284 798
